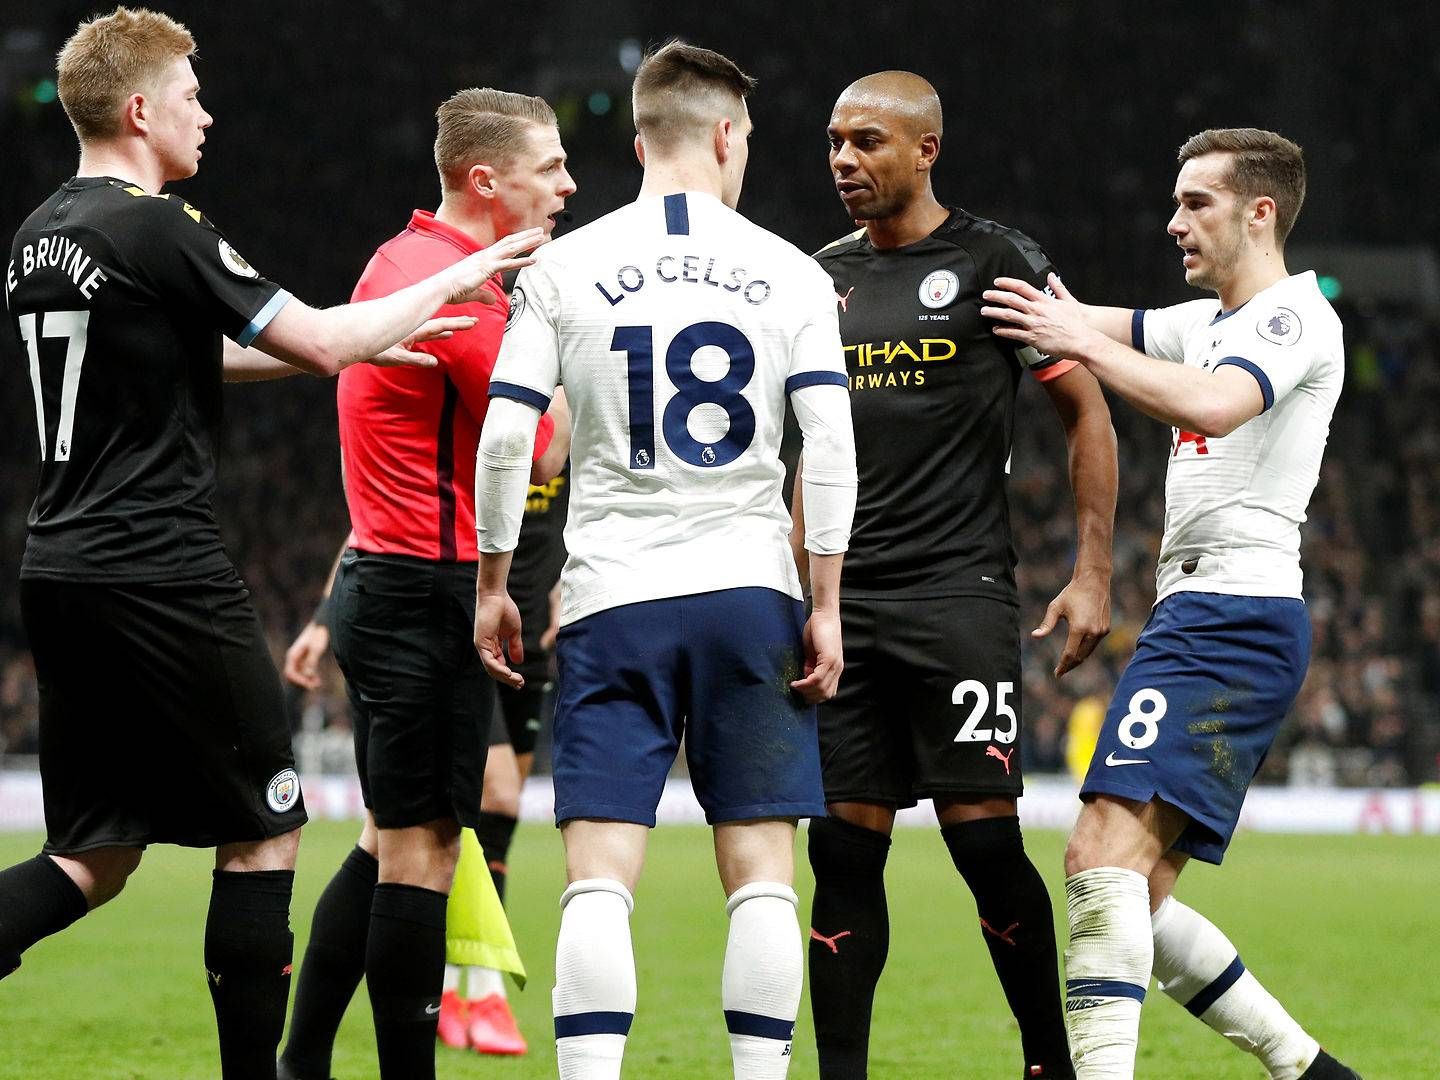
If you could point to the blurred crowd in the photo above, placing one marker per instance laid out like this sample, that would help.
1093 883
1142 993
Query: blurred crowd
1066 130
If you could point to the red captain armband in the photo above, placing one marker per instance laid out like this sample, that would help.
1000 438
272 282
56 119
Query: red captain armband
1052 371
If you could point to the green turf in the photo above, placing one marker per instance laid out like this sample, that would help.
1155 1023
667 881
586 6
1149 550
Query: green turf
1341 929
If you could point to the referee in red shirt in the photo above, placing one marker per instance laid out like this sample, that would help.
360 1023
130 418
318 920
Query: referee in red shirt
403 601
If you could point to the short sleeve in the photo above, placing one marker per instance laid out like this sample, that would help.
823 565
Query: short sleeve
528 369
1020 257
1274 349
1162 332
817 357
188 263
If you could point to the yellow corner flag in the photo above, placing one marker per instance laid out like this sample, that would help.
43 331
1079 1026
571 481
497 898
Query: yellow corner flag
477 933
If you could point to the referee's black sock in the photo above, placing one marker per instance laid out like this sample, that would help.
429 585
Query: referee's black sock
334 962
404 970
248 947
495 831
37 899
849 940
1019 927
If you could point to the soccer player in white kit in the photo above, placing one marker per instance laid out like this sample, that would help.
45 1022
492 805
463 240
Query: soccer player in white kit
1249 386
678 329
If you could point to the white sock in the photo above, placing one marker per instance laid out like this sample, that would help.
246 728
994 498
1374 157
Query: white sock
481 982
594 995
452 978
1198 967
760 984
1107 968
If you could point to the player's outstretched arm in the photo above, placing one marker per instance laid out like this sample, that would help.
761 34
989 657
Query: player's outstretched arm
1209 403
1084 603
249 364
324 340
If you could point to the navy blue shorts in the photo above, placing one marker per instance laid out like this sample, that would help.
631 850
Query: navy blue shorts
714 667
1198 706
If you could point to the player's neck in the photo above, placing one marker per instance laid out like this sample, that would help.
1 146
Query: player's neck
673 176
917 221
113 159
1258 273
474 224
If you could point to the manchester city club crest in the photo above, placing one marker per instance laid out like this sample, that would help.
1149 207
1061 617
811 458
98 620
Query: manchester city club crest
1280 325
283 792
939 288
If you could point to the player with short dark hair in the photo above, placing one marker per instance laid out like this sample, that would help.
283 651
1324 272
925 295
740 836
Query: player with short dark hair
161 717
678 329
1249 385
930 706
402 604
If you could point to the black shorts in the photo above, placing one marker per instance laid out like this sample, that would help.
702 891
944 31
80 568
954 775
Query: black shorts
523 712
161 715
929 704
403 634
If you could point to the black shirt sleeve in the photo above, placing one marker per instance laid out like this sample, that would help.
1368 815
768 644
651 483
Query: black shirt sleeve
1017 256
178 254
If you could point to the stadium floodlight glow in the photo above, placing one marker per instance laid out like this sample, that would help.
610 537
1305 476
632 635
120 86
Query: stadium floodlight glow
599 103
45 92
1329 286
630 55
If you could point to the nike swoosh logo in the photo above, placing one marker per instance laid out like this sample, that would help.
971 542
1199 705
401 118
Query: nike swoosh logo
1111 759
431 1010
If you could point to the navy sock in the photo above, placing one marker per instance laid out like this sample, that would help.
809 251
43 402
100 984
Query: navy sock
334 962
37 899
849 941
1018 925
404 971
248 947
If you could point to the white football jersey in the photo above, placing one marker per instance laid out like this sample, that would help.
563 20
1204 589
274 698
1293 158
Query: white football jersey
676 328
1233 505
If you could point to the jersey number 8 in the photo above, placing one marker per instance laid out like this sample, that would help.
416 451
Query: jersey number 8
691 391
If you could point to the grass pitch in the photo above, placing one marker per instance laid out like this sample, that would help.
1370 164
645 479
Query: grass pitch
1341 929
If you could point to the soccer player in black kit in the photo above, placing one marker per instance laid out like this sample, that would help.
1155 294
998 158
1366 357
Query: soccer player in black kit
930 703
161 719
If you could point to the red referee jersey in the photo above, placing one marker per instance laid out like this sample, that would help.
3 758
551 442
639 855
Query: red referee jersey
408 435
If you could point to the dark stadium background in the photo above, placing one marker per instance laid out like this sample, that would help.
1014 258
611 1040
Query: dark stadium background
1061 119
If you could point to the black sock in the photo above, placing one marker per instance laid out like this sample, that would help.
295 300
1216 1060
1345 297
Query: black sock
248 947
849 940
334 962
404 970
495 832
37 899
1018 926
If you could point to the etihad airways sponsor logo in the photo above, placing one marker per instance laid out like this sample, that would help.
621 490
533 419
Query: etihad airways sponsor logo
923 351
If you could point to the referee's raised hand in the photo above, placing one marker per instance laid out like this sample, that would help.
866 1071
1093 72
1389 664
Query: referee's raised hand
469 275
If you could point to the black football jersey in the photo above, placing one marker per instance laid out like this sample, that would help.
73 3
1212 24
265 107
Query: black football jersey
932 394
120 298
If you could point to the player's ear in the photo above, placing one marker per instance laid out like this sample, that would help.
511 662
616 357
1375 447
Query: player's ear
929 151
722 140
481 180
135 114
640 149
1262 212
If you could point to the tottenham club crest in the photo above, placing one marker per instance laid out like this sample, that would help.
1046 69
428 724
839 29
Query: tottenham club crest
939 288
235 262
1281 325
517 305
283 792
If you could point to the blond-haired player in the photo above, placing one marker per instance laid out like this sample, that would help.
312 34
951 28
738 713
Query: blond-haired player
161 717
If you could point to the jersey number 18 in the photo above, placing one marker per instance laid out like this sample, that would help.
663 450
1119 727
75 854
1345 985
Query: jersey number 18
691 392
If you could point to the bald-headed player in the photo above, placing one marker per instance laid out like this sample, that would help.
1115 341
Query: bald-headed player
930 704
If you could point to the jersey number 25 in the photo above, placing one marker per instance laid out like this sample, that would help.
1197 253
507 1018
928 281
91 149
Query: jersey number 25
691 392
